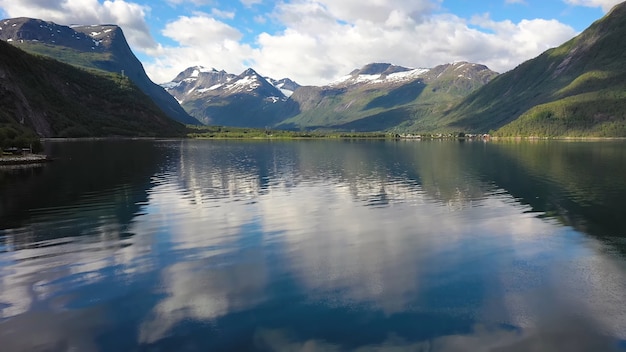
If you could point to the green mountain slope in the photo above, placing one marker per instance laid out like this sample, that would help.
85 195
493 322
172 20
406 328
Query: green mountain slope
40 96
576 89
102 47
385 97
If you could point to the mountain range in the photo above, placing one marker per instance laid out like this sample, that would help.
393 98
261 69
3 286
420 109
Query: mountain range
382 96
219 98
576 89
378 96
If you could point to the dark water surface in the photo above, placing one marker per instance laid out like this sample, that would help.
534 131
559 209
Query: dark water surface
315 246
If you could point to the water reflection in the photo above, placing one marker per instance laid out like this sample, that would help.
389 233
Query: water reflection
575 182
317 246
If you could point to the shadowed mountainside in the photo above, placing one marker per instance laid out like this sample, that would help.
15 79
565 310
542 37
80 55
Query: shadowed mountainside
41 96
102 47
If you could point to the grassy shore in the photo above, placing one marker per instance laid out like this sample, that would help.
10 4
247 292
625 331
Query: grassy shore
222 132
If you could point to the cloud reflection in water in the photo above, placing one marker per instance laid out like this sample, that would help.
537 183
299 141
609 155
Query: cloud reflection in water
372 247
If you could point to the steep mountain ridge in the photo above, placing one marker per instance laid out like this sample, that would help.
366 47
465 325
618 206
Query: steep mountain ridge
578 88
44 97
102 47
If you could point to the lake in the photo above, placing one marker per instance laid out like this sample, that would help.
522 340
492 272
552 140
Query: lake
315 246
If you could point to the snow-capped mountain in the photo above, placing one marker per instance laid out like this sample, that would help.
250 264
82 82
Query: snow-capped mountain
388 74
379 73
95 38
198 80
374 97
218 97
194 81
382 96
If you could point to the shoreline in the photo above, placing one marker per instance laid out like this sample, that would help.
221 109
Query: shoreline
327 137
24 159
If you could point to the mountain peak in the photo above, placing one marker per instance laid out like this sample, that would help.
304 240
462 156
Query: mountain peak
380 69
95 38
250 72
379 73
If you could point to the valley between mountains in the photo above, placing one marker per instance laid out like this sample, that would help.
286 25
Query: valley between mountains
85 81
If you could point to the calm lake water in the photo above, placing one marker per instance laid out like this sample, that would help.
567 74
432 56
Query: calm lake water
315 246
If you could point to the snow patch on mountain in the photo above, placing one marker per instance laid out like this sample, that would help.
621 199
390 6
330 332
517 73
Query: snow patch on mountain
285 85
399 76
248 83
286 92
198 82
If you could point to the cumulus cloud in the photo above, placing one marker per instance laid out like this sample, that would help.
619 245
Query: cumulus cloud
606 5
199 30
380 244
323 46
202 40
324 39
128 15
317 40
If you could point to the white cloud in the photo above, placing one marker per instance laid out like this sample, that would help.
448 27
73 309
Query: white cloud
199 30
202 40
195 2
128 15
319 40
371 10
325 39
223 14
606 5
249 3
349 251
323 48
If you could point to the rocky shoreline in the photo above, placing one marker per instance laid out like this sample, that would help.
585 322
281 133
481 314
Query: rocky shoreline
24 159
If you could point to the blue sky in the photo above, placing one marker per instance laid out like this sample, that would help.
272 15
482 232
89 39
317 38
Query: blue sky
316 41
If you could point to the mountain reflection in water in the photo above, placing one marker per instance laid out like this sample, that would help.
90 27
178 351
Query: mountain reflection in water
315 245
